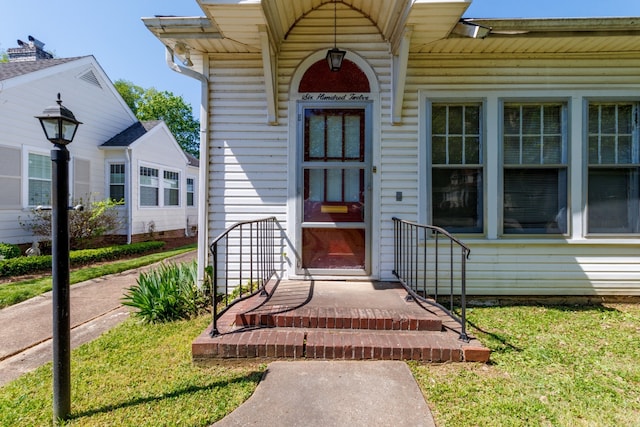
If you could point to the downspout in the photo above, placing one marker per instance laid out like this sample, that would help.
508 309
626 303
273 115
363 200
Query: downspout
203 171
129 204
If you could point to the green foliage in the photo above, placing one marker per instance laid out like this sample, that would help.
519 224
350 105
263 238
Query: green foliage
151 104
166 294
95 220
8 250
27 265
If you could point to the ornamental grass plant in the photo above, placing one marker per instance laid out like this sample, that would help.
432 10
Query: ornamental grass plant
167 293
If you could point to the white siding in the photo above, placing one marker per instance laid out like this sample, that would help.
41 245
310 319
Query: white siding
250 161
103 115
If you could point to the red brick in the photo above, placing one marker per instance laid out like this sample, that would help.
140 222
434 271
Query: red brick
476 354
322 318
331 318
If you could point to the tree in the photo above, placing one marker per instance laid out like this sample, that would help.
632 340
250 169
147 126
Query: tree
151 104
3 56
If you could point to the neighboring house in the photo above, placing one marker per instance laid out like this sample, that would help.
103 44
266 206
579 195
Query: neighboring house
520 136
112 155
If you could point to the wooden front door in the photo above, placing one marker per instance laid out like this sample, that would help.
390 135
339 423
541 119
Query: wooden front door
334 177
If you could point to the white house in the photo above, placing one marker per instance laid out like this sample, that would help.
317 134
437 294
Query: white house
112 155
520 136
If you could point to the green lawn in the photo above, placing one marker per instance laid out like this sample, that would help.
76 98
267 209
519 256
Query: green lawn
13 293
135 375
550 366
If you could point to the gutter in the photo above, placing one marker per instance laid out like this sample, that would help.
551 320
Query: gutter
203 171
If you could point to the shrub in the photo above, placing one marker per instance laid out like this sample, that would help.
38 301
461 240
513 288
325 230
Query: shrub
166 294
95 220
8 250
28 265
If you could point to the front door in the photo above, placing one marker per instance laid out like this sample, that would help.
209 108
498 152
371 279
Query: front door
334 182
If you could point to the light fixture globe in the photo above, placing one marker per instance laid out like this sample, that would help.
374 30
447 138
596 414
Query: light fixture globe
334 58
58 123
335 55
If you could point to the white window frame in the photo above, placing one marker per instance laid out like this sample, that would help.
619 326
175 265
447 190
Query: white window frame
42 153
167 188
192 192
563 167
480 166
633 209
156 187
123 164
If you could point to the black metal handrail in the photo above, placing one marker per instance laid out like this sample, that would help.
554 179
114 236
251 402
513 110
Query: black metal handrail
418 265
249 246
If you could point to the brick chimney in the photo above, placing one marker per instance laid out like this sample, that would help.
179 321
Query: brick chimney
30 51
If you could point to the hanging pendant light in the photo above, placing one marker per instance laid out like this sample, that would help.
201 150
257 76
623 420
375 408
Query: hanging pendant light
335 55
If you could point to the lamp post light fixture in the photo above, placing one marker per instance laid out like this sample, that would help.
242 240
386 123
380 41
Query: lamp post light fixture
60 126
335 55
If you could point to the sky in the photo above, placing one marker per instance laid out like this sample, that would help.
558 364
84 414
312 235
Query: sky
112 31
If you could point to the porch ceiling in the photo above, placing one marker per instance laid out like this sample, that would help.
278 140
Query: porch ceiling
236 26
239 26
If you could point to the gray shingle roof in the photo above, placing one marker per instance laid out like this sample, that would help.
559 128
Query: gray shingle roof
9 70
131 134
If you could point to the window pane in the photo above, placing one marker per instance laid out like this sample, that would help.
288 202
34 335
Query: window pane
512 150
334 136
148 196
316 137
552 150
116 192
439 150
534 200
455 150
457 199
455 120
472 120
534 134
39 180
439 119
612 203
352 137
334 185
472 150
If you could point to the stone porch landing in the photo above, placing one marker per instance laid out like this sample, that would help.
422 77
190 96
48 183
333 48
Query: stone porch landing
347 320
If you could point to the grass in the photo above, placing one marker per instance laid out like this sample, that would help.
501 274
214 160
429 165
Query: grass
135 375
550 366
15 292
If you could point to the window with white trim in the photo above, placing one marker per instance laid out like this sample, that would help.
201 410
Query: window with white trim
149 186
171 187
190 192
39 191
117 182
457 167
614 168
534 142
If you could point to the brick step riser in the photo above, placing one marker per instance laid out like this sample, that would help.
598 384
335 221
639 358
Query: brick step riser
379 324
347 352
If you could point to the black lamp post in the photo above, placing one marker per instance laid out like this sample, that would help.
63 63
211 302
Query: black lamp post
60 126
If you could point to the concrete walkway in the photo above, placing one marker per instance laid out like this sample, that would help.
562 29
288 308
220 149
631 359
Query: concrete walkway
334 393
26 328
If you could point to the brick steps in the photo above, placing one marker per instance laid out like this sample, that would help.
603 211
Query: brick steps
294 343
300 321
341 318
